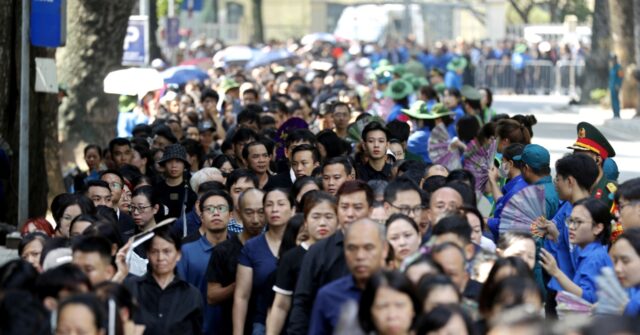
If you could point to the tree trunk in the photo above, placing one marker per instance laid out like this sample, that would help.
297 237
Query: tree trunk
554 11
522 12
636 25
95 35
41 113
154 47
598 59
623 46
258 27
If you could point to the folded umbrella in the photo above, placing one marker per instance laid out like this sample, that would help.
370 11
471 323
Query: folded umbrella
132 81
182 74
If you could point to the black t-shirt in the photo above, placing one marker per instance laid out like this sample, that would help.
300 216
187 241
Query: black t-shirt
365 172
288 270
172 197
222 269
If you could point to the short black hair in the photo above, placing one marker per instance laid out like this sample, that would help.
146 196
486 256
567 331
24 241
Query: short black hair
462 175
209 93
219 160
166 234
392 279
245 149
243 135
301 134
428 284
64 277
291 232
354 186
307 147
514 149
252 91
456 224
112 171
23 314
92 303
600 213
399 185
399 130
148 192
250 113
467 193
437 318
28 238
277 106
17 274
373 126
238 174
399 216
336 104
90 244
516 263
412 165
431 184
129 172
61 202
266 121
299 184
83 217
579 166
97 183
193 148
106 229
165 131
94 147
211 185
141 130
118 141
216 193
344 161
629 190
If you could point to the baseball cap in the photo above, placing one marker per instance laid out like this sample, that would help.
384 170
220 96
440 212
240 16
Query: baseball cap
534 155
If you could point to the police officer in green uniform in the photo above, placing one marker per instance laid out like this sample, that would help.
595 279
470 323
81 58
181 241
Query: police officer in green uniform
591 142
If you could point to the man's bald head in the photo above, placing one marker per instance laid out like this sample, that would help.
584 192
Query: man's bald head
366 223
443 200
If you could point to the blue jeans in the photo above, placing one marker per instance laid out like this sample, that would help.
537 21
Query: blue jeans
258 329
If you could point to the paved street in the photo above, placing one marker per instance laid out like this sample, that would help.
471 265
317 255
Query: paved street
556 128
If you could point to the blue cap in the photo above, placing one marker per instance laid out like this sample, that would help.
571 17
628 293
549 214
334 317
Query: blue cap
535 156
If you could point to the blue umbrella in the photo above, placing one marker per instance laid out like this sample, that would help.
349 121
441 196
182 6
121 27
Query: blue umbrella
273 56
182 74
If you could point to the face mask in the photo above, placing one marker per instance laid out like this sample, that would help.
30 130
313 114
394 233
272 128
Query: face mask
504 170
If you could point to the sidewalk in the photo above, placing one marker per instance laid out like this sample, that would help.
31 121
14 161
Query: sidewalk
626 128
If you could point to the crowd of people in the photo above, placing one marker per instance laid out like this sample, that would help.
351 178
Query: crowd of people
298 200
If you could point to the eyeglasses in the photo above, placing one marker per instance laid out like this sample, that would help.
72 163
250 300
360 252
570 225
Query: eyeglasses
408 210
139 209
573 222
213 209
628 203
115 185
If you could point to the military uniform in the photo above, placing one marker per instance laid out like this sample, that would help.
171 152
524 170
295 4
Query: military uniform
591 139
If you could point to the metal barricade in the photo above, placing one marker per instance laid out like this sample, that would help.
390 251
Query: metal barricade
569 77
538 77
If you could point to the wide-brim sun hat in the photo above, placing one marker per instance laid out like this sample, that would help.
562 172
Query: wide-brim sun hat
398 89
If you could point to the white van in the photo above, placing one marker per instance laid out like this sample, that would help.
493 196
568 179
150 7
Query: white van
376 23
